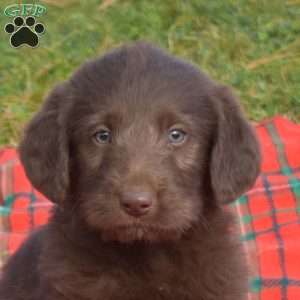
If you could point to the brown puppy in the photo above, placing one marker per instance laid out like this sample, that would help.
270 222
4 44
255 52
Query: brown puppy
139 150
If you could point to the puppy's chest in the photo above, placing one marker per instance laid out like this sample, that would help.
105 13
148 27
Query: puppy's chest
206 271
161 277
163 280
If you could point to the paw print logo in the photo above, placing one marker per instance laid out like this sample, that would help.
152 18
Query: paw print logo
24 32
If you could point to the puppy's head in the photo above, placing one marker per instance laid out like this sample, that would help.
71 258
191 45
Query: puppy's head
138 144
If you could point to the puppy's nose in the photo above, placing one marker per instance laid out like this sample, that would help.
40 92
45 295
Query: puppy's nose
136 203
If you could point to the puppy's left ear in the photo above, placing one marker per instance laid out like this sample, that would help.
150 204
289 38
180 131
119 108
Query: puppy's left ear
235 158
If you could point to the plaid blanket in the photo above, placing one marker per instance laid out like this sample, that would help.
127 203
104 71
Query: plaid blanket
268 214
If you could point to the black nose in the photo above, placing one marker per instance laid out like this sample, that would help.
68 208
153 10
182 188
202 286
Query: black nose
136 203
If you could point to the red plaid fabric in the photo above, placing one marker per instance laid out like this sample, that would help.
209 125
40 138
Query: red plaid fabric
21 207
268 214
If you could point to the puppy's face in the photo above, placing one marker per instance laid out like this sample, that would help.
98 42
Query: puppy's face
141 162
139 143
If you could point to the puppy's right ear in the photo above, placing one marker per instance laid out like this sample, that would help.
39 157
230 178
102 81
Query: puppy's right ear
235 160
44 148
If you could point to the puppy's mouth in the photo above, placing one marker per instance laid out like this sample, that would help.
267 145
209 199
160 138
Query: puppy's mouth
140 232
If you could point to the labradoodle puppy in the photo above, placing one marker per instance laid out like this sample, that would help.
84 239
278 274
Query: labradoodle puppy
139 151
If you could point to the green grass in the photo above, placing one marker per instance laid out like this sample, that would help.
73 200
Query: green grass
251 45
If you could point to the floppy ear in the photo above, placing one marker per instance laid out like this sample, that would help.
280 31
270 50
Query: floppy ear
44 150
235 160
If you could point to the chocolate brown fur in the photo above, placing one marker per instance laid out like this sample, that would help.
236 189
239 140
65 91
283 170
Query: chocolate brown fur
184 247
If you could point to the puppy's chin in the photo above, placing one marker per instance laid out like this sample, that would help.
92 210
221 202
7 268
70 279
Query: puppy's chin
137 232
162 225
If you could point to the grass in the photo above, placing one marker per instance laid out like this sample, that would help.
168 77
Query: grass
251 45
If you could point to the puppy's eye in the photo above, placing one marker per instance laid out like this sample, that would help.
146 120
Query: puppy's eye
176 136
103 136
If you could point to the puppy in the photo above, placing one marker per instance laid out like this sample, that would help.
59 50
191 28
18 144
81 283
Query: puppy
139 151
